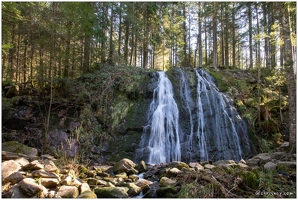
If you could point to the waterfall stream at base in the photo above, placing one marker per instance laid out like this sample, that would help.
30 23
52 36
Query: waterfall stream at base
163 142
202 125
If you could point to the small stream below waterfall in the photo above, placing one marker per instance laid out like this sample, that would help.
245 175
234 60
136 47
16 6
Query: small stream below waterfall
198 124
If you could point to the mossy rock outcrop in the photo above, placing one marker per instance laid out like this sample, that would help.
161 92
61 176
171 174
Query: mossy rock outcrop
17 147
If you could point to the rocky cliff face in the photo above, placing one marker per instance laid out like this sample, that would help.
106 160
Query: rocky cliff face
103 113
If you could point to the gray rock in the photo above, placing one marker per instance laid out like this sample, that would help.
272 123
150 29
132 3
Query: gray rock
224 162
9 167
196 166
49 166
34 165
43 174
125 165
29 187
253 162
263 158
14 178
66 181
270 166
66 191
17 193
22 161
209 166
49 182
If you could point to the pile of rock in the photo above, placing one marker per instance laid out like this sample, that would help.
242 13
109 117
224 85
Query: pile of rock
26 176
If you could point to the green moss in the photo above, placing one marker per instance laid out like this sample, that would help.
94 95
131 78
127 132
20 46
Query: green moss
167 191
251 179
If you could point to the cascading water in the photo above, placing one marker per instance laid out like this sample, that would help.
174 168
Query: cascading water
208 128
218 122
161 135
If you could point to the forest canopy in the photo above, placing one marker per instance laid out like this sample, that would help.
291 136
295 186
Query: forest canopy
45 40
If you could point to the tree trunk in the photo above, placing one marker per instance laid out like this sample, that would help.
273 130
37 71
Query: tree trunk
200 37
291 77
233 37
227 37
214 19
249 13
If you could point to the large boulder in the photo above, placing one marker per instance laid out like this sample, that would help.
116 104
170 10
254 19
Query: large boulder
111 192
29 187
14 178
125 165
16 147
9 167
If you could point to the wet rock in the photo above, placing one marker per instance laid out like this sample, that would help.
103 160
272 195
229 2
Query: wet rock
141 167
14 178
111 192
9 167
87 195
29 187
125 165
66 191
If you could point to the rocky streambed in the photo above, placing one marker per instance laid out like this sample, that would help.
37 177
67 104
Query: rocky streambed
29 175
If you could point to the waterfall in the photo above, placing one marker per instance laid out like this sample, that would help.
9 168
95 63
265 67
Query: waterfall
218 121
203 126
162 144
